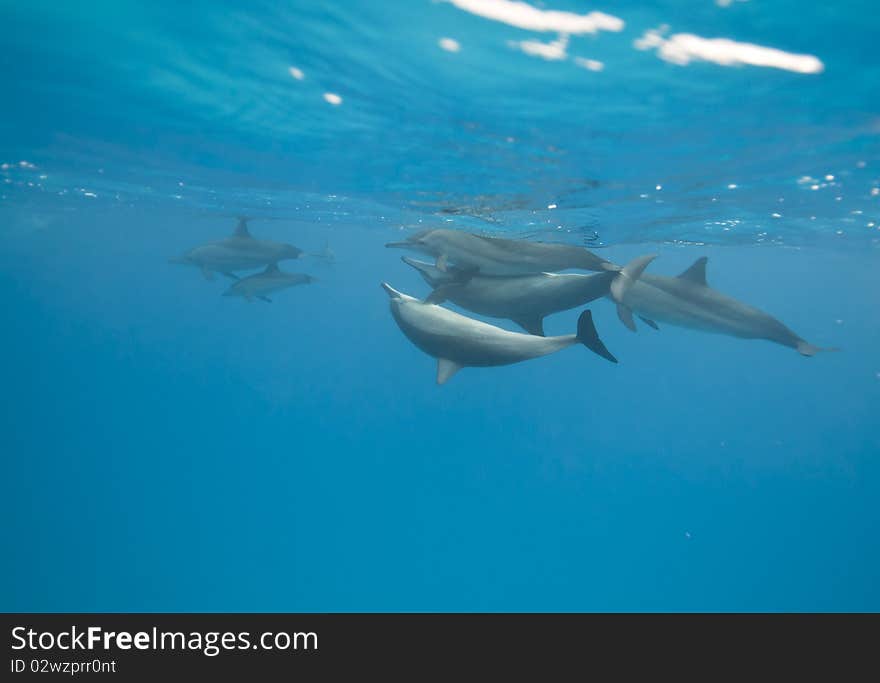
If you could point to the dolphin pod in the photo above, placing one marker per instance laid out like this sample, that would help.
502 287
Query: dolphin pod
512 279
242 251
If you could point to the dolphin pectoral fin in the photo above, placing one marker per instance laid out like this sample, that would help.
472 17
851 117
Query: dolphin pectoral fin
649 322
626 317
264 298
628 275
438 296
533 325
207 273
587 335
446 369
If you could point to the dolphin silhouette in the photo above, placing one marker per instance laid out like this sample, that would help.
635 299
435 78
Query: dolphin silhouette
500 256
240 251
525 299
688 301
261 284
457 341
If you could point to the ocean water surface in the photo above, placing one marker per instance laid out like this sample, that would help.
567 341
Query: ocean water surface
168 448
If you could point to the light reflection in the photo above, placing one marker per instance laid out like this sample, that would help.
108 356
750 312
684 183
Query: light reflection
449 44
332 98
589 64
553 51
523 15
683 48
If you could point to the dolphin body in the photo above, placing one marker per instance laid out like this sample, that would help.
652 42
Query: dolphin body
687 301
260 285
475 254
457 341
526 299
240 251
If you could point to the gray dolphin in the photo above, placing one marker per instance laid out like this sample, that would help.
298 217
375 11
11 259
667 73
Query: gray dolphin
526 299
240 251
261 284
500 256
687 301
457 341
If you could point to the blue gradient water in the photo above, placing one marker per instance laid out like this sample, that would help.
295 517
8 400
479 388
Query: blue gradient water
167 448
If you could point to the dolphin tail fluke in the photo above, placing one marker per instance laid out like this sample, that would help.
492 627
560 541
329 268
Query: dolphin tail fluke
628 275
587 335
806 349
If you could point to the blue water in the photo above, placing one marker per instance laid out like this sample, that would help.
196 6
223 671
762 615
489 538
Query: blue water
167 448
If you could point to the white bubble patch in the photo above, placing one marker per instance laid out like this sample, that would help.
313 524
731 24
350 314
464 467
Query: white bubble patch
526 16
684 48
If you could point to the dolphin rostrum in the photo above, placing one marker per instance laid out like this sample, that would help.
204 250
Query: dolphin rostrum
500 256
526 299
687 301
457 341
240 251
261 284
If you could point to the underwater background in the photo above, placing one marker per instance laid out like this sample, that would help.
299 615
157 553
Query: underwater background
166 448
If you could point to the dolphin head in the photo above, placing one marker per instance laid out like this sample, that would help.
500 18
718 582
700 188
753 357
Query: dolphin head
397 299
288 251
421 241
431 273
391 292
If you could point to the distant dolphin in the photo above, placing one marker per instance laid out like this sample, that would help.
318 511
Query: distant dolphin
261 284
526 299
241 251
687 301
500 256
457 341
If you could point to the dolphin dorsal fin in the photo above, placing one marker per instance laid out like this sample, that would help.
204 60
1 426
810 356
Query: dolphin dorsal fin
272 268
241 230
697 272
446 369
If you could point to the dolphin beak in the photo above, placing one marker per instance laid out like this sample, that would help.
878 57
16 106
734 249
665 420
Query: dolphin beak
392 293
399 245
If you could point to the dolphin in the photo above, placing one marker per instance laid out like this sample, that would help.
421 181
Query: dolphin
526 299
261 284
240 251
500 256
688 301
457 341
